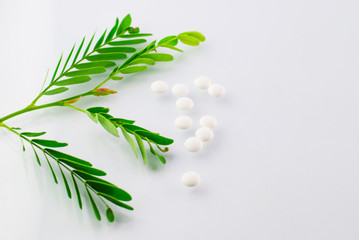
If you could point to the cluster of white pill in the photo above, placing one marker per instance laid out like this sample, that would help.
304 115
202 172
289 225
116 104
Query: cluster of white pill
207 123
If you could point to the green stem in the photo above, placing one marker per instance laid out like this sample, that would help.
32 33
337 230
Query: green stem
29 109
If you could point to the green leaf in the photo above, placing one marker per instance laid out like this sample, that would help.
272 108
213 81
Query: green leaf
117 78
94 207
129 140
149 48
57 68
56 91
87 65
109 214
78 51
95 70
127 42
99 42
155 137
171 47
89 45
108 125
51 169
23 145
147 61
170 41
117 50
49 143
188 40
160 157
199 36
115 201
62 155
142 148
82 167
68 58
134 128
112 32
106 115
37 156
133 69
65 183
74 80
111 190
92 116
122 120
135 35
87 176
107 56
77 191
33 134
98 110
125 23
158 57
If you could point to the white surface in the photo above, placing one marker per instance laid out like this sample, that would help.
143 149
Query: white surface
283 165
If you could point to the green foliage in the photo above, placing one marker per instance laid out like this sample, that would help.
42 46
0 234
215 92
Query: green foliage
133 69
108 125
80 170
127 42
33 134
124 57
56 91
117 50
49 143
93 64
74 80
84 72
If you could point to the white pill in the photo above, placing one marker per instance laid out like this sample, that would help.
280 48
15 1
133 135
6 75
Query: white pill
184 103
159 86
205 134
180 90
193 144
190 179
216 90
183 122
208 121
202 82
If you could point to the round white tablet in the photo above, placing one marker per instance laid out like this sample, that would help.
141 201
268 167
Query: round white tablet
184 103
190 179
202 82
205 134
216 90
183 122
180 90
208 121
159 86
193 144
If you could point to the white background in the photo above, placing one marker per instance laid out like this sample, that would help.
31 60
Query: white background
284 161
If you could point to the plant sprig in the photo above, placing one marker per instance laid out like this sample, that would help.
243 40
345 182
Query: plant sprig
78 169
119 44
